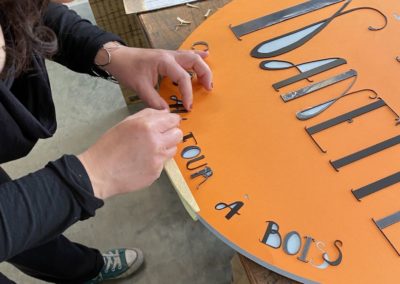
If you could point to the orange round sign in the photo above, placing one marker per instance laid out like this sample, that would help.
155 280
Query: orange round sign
303 180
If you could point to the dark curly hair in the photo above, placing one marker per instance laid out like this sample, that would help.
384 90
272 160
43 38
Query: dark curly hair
22 21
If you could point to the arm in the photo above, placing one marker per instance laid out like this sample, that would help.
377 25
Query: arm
38 207
80 46
78 40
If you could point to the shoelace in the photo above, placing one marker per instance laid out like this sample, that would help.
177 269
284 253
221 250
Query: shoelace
112 260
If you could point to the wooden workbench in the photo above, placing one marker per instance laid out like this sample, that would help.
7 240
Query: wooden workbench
161 28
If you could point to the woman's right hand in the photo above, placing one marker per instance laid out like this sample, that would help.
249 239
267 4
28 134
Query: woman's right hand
131 155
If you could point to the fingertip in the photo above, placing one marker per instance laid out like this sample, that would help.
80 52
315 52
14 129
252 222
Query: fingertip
171 152
202 53
207 83
151 97
164 105
177 117
209 87
188 106
176 120
159 104
187 94
188 101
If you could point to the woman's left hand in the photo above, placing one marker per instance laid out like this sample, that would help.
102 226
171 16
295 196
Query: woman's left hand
139 69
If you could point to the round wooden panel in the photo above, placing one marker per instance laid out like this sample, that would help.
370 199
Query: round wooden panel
263 160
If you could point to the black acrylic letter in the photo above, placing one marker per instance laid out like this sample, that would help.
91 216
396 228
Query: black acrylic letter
272 232
306 248
190 152
189 136
286 241
177 107
386 222
194 161
338 245
234 208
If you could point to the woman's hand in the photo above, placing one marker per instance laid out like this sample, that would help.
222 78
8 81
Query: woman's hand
2 50
131 155
138 69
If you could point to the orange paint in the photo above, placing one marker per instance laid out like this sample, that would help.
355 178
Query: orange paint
261 155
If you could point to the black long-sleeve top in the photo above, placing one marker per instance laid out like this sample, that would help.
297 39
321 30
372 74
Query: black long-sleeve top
36 208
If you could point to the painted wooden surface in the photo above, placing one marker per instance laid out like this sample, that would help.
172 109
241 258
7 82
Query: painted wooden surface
161 26
261 155
161 31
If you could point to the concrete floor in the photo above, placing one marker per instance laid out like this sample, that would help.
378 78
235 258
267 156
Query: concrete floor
177 249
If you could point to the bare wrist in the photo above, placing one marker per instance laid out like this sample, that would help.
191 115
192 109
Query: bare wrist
98 184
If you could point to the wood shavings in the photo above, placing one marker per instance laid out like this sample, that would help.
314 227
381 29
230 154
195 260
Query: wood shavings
207 13
182 22
192 6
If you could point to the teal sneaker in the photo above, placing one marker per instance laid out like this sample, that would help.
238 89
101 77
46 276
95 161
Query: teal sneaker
119 263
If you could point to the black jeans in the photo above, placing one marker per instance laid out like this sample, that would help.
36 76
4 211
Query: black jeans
58 261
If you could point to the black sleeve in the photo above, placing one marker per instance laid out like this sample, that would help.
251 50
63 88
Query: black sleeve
78 40
40 206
